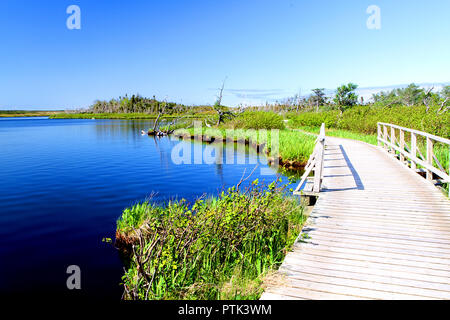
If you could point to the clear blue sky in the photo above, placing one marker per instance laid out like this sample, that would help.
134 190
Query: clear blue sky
184 49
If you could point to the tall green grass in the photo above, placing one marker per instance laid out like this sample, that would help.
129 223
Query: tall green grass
216 248
363 119
257 120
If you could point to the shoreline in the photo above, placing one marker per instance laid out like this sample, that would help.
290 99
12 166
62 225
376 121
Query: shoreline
122 116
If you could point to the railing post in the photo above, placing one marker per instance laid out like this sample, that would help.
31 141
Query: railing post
392 140
402 145
413 150
385 135
379 134
319 166
429 157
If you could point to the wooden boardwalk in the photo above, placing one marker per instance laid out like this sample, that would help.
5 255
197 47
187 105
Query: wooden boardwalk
377 231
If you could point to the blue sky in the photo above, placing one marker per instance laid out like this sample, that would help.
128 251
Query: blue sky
183 50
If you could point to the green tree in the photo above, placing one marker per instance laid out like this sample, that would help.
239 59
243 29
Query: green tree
411 95
346 96
318 98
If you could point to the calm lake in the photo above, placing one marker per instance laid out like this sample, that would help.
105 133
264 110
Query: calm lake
64 183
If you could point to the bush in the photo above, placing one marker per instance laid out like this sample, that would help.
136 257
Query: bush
364 119
214 249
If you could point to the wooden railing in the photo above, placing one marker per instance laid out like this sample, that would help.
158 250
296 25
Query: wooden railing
411 155
315 163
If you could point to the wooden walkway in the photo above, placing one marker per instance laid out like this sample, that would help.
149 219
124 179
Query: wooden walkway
377 231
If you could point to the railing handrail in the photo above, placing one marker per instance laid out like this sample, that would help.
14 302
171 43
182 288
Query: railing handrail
315 163
392 144
422 133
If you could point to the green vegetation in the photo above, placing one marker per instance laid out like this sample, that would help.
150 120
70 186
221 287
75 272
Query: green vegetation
218 248
346 97
125 116
26 113
363 119
257 120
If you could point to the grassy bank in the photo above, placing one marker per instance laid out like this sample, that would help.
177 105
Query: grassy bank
125 116
26 113
216 248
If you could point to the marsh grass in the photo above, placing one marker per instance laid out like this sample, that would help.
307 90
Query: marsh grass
216 248
257 120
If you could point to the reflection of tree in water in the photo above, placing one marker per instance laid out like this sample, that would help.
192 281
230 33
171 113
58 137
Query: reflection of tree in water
219 164
163 155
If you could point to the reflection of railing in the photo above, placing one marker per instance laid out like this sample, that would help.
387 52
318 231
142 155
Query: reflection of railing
390 142
315 163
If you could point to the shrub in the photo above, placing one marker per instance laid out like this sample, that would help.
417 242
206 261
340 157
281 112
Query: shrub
364 119
182 251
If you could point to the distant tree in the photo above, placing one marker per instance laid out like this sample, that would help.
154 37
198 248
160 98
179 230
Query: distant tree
345 96
428 97
411 95
319 98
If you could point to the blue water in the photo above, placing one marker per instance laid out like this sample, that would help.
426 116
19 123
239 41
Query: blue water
64 183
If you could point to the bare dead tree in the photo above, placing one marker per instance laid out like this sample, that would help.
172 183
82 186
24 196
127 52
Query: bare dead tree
222 113
161 111
441 109
426 98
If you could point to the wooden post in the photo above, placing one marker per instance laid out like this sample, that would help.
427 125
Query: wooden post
413 150
392 140
429 157
385 134
379 134
318 167
402 145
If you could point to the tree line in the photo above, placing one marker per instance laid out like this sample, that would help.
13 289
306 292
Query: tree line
139 104
345 97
